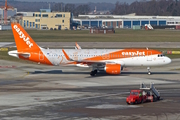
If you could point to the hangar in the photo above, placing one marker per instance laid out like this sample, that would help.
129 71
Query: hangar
126 21
120 23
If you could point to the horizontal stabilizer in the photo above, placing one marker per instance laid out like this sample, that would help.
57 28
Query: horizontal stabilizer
15 53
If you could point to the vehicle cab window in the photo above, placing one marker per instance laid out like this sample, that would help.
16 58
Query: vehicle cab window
134 93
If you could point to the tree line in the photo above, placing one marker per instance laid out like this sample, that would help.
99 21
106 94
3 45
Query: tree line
153 7
82 9
142 7
76 9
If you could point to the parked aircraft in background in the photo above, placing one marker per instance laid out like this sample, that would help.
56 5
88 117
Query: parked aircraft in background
110 60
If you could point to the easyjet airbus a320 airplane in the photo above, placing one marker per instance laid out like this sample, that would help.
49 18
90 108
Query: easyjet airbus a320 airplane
111 61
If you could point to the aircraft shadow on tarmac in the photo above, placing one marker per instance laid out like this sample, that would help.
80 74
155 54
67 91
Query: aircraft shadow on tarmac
160 73
57 72
100 73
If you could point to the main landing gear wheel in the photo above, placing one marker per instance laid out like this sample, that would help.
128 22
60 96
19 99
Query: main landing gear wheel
93 73
149 72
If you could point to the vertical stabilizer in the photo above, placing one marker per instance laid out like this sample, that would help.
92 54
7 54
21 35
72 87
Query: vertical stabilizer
23 40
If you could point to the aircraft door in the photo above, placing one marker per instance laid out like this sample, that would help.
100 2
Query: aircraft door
41 56
149 57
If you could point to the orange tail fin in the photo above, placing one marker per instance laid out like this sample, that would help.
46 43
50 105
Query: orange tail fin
23 40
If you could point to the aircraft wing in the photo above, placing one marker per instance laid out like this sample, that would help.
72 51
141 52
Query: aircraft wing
87 62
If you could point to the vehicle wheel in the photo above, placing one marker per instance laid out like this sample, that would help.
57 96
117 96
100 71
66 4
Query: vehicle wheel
136 102
153 99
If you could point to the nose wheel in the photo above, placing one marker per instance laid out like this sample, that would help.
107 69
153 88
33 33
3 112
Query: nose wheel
93 73
149 70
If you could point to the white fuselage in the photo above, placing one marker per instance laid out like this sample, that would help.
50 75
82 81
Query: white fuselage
57 57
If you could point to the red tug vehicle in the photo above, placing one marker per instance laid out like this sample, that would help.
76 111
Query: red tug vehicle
144 94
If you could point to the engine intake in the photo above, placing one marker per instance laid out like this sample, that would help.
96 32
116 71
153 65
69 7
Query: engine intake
113 69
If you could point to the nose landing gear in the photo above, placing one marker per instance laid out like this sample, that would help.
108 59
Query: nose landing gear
149 70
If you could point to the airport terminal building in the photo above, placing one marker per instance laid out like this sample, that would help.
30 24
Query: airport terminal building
125 21
45 19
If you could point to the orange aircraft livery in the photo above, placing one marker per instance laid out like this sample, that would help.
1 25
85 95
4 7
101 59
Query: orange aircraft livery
111 61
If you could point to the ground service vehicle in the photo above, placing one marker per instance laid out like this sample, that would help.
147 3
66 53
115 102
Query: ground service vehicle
144 94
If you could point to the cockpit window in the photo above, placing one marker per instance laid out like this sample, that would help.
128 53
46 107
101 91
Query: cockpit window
162 55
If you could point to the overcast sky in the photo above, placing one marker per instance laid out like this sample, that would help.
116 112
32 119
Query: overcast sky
81 1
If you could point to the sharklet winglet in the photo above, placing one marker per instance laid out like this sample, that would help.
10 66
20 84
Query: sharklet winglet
66 55
78 47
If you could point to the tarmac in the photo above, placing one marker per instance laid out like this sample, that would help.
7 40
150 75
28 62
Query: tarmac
104 44
40 92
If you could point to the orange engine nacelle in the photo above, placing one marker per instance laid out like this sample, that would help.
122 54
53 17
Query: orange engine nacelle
113 69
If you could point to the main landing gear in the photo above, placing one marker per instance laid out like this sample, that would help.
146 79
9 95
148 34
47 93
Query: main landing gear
93 73
149 70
